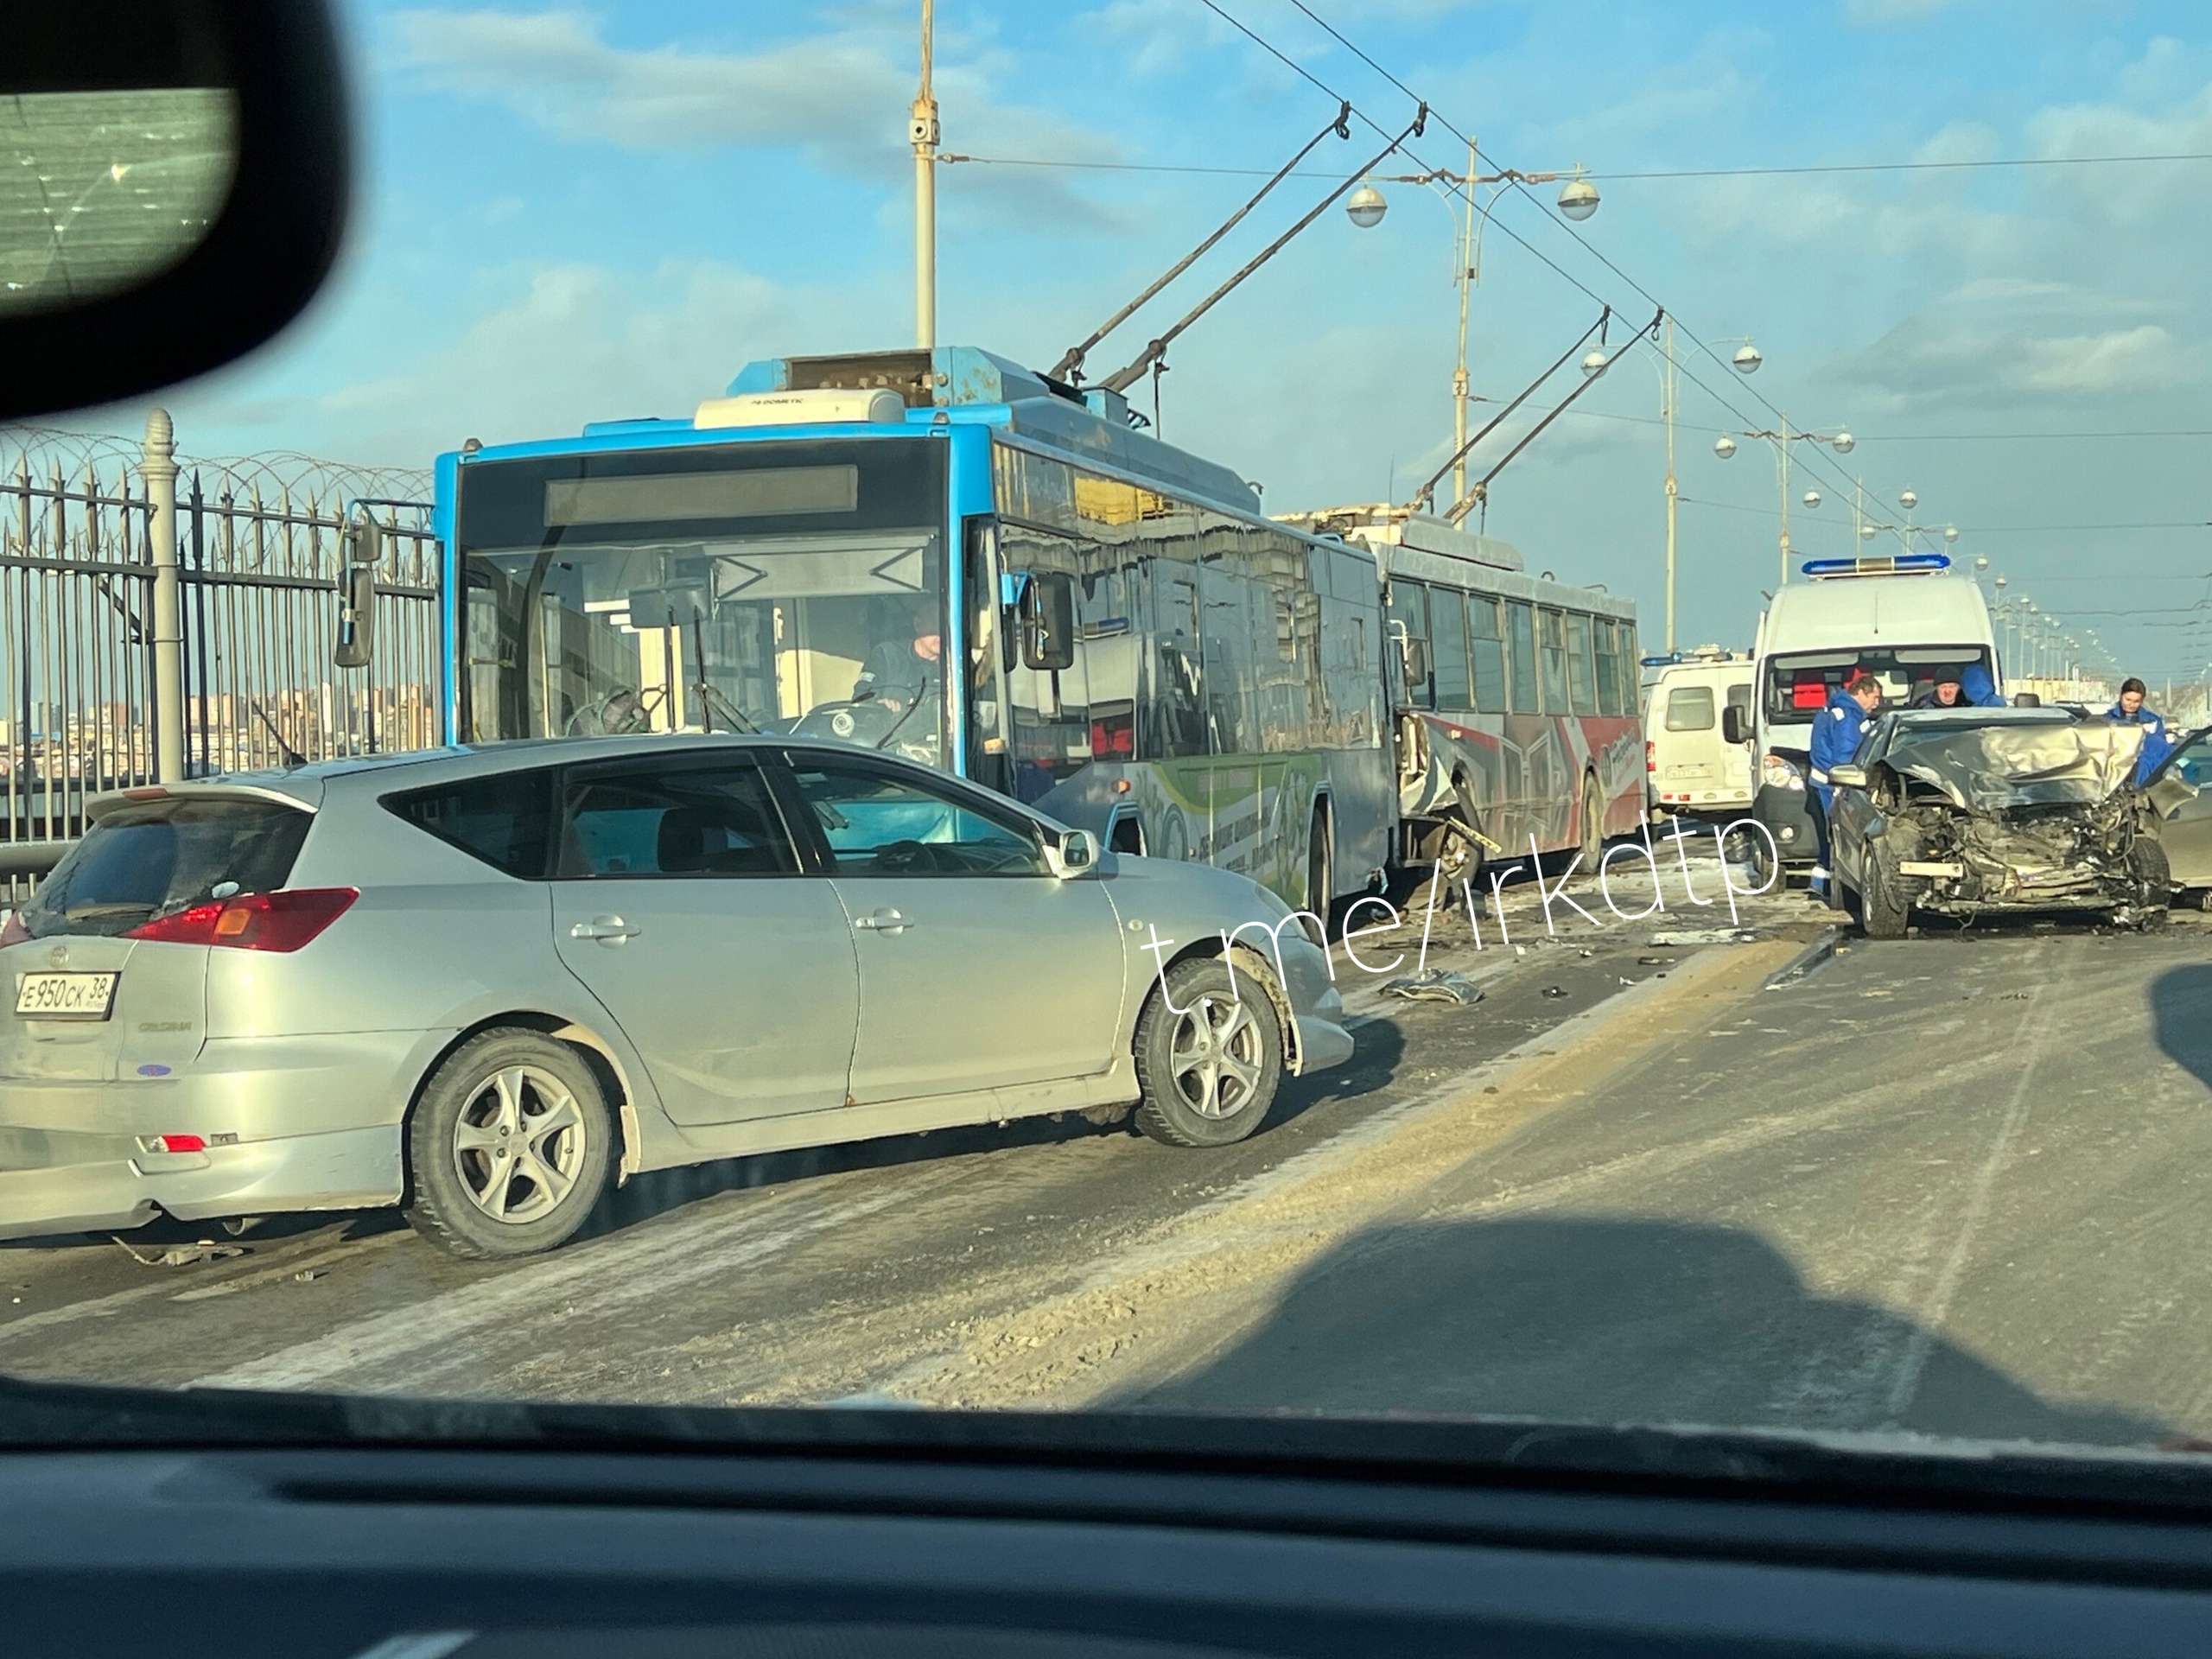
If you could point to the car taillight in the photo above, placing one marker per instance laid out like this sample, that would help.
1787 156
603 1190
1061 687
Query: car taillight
1649 764
14 933
253 921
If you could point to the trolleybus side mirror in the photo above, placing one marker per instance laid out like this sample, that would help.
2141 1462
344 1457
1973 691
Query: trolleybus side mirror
1074 853
1731 725
1048 620
1416 655
362 545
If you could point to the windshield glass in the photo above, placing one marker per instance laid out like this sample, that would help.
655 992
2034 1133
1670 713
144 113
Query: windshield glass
1059 769
764 587
1799 686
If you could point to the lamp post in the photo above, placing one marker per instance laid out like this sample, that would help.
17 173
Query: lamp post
922 129
1578 200
1840 440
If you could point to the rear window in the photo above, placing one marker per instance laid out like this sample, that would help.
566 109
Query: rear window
505 820
1689 708
153 859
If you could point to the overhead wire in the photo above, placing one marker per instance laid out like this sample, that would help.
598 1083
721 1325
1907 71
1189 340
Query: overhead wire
1519 185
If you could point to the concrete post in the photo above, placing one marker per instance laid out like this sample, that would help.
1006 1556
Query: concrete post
160 469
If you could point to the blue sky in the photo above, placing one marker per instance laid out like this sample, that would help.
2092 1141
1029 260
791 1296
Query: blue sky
570 214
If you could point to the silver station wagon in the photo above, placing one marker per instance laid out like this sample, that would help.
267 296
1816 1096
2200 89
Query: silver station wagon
482 984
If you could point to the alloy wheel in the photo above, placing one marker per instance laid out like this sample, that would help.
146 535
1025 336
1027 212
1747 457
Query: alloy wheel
518 1144
1216 1055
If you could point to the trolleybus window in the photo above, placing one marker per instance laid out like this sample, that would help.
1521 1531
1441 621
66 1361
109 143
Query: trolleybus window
1551 630
1581 677
1521 619
1447 648
1485 624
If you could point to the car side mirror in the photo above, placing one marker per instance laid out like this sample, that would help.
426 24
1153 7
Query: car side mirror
357 595
1048 620
1075 852
1731 725
186 170
1847 777
2026 700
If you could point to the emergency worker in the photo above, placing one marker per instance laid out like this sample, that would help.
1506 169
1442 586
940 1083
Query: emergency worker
1836 736
2129 711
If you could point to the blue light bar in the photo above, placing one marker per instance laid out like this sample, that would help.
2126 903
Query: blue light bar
1668 660
1903 564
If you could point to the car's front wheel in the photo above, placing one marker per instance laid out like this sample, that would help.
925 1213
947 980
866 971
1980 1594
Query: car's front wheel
1209 1054
508 1147
1883 910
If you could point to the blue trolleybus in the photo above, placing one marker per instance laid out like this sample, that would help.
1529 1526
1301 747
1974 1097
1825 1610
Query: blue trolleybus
940 554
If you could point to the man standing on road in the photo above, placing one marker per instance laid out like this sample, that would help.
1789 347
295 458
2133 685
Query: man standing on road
1836 736
2129 711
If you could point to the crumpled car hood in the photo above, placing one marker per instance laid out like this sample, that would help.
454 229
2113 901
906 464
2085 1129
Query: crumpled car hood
1991 768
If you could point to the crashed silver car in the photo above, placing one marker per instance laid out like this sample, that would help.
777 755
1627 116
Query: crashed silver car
1968 812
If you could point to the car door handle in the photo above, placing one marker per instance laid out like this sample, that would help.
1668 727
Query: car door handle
882 921
608 930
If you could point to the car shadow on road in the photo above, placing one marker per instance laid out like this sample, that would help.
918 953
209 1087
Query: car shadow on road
1379 1047
1613 1321
2181 1013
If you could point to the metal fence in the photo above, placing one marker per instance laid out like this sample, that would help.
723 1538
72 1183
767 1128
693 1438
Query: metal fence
88 686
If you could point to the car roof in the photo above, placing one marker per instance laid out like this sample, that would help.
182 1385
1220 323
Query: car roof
309 785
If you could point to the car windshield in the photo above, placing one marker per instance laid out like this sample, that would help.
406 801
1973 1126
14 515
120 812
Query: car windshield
783 756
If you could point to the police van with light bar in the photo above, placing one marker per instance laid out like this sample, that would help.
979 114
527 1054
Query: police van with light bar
1903 619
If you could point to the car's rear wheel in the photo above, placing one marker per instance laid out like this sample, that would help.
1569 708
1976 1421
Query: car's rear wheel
1884 912
508 1147
1209 1054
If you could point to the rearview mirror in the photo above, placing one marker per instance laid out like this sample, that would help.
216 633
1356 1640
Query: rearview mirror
1847 777
1416 655
173 183
1048 620
363 547
1731 725
1075 853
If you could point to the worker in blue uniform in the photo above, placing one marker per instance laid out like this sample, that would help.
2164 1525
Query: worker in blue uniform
1836 736
2129 711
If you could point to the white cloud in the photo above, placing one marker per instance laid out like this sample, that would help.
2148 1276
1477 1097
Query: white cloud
841 98
572 343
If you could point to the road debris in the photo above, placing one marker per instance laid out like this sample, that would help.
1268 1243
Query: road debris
1706 936
1434 985
184 1255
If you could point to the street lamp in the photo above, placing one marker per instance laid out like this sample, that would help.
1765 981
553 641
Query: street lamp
1595 364
1840 440
1747 358
1578 200
1578 197
1908 500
